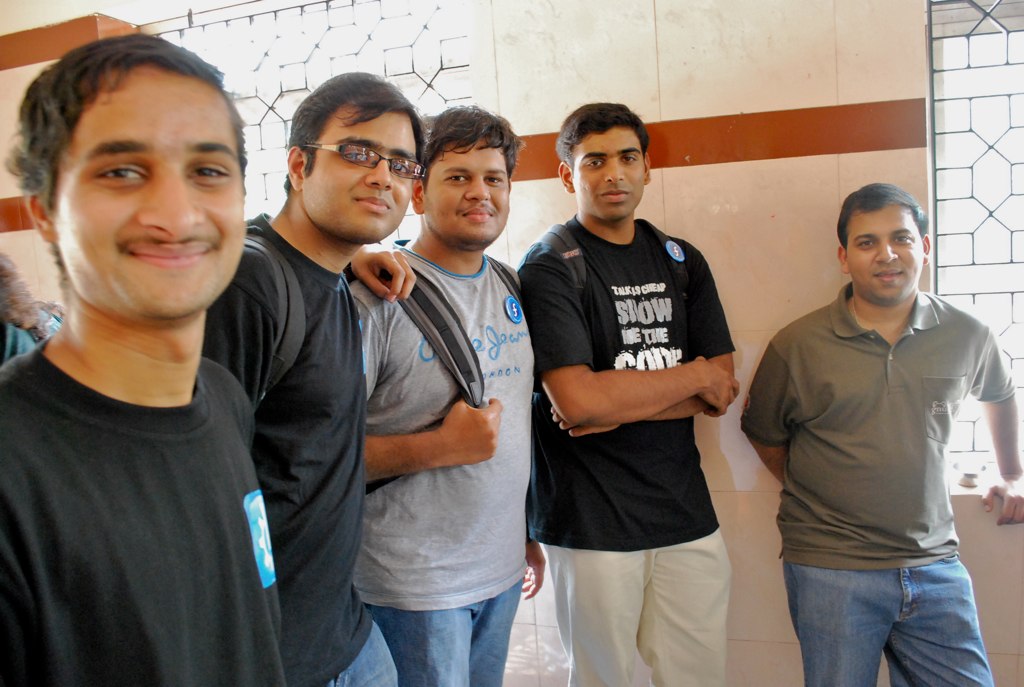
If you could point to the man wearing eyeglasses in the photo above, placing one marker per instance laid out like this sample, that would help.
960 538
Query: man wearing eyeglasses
308 448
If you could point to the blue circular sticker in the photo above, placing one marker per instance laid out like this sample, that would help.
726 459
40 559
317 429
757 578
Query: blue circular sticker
513 310
675 251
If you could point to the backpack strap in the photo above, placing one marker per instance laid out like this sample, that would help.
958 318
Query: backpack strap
434 316
509 277
560 239
290 307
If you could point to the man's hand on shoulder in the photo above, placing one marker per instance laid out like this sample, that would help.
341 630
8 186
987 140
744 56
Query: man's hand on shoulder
1012 512
470 435
384 272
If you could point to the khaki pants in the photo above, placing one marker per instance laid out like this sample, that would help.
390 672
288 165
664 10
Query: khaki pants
669 603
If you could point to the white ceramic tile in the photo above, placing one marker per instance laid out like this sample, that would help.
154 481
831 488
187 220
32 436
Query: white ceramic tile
521 668
534 206
552 57
763 664
867 47
483 71
757 608
525 614
906 168
728 461
995 558
552 663
719 58
766 228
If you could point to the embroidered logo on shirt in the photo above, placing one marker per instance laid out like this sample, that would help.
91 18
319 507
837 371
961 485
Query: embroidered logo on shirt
256 512
945 407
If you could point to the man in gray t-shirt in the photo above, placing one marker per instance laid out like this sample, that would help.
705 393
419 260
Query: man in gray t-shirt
851 409
444 549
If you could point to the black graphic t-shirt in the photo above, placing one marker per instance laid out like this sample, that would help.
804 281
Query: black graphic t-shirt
639 486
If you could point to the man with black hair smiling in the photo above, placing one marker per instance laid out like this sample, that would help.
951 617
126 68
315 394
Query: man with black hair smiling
133 538
444 545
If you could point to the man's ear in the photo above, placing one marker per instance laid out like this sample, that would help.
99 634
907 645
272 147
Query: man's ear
42 219
842 260
647 169
418 192
565 174
296 167
926 244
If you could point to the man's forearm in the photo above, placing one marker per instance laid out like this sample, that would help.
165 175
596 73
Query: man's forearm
614 397
1003 422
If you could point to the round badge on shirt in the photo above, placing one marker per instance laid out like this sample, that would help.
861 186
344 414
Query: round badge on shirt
513 310
675 251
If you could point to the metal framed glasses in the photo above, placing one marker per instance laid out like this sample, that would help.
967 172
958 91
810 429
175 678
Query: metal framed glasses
366 157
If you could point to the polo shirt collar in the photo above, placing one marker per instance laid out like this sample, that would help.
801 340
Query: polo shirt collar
922 316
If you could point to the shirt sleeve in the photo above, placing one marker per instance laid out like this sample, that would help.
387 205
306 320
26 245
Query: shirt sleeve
554 311
764 415
241 326
992 381
707 329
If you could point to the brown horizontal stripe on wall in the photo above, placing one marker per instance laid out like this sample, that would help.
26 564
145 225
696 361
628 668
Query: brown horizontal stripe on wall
889 125
14 215
50 42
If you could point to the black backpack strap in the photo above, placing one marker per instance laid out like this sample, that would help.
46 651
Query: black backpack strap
509 277
434 316
440 324
290 307
561 240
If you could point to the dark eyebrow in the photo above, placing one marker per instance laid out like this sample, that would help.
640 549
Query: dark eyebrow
122 147
117 148
378 146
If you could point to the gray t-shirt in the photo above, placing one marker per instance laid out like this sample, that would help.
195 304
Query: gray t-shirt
446 537
867 426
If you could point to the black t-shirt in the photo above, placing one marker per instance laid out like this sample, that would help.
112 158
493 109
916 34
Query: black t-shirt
308 452
639 486
128 553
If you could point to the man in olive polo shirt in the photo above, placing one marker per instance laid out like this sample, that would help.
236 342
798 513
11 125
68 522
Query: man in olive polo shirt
851 409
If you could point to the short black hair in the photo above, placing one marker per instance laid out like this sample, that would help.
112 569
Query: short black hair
364 96
596 118
55 101
463 128
874 197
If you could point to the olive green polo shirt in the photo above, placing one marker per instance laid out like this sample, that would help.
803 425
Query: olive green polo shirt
867 426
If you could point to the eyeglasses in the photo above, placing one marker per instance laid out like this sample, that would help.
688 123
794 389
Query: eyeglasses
365 157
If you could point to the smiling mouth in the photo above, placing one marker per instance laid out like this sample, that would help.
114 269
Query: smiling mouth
170 255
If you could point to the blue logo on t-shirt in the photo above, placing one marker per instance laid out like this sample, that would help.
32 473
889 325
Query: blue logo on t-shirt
675 251
256 512
513 310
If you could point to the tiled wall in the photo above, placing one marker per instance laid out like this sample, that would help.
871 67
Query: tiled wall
765 225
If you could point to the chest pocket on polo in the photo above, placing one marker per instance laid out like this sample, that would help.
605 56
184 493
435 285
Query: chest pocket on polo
942 404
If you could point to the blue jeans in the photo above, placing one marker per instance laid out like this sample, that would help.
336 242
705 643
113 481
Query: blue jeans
923 619
373 666
458 647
